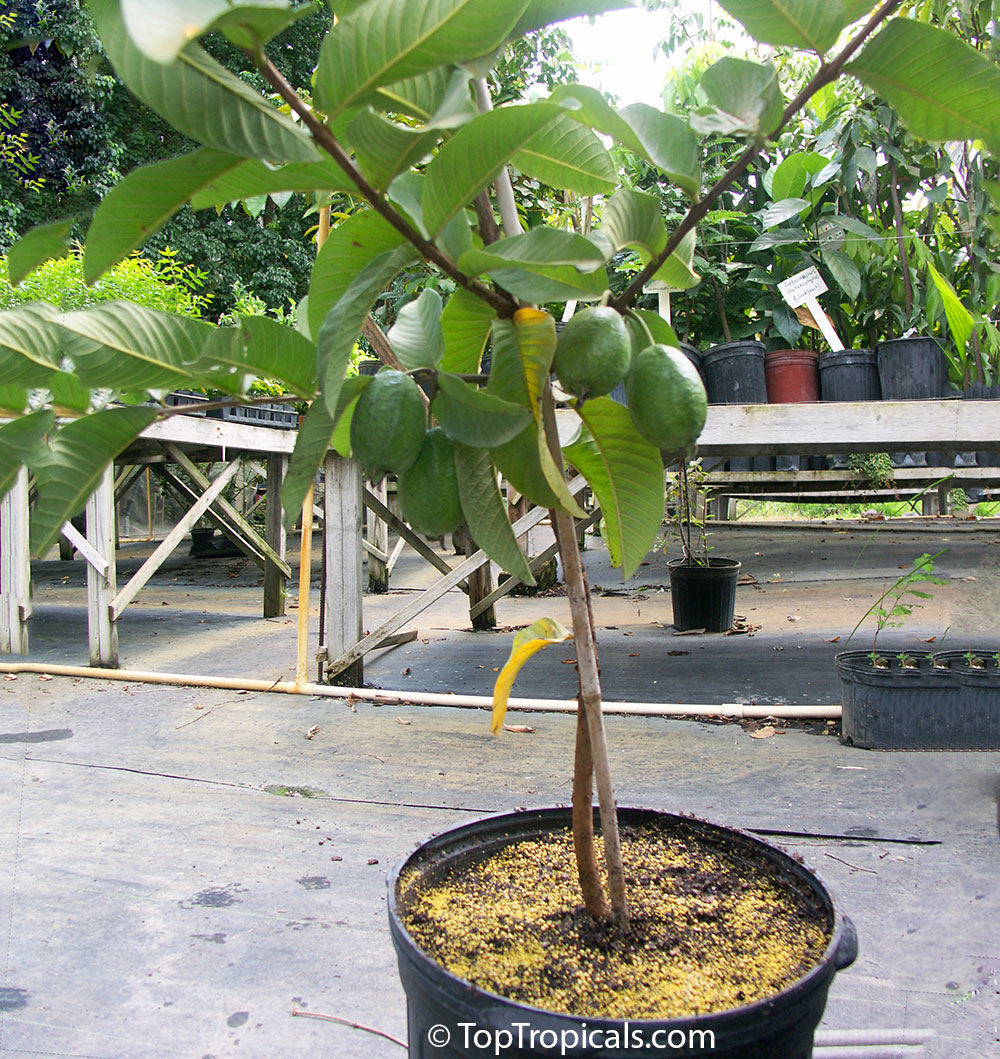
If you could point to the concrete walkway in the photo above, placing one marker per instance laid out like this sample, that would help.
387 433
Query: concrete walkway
180 869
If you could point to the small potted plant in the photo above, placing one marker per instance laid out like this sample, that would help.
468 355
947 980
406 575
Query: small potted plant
702 587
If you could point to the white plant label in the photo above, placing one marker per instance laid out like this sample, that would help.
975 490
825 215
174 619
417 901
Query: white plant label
798 289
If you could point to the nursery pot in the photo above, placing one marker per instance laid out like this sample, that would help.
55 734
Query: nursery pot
734 373
849 375
202 541
703 597
899 707
975 725
449 1018
912 369
791 376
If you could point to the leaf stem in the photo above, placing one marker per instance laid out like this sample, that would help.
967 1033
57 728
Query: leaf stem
377 199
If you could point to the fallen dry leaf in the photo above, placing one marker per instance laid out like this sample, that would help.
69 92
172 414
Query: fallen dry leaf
568 661
313 732
763 733
929 639
521 729
634 654
403 720
405 671
10 676
835 639
46 676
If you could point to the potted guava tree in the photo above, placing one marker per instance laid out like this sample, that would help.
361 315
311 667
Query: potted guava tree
717 942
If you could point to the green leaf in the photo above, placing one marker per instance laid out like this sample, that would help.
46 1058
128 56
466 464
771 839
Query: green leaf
417 337
350 247
162 29
567 155
661 331
476 417
426 95
41 244
68 392
845 272
465 324
384 41
960 321
789 179
668 143
137 348
457 236
385 148
631 219
474 156
626 473
312 441
541 13
343 323
346 403
77 456
588 106
676 272
201 98
13 399
268 349
798 23
143 202
779 237
745 97
548 261
31 344
485 512
781 211
252 178
942 88
22 444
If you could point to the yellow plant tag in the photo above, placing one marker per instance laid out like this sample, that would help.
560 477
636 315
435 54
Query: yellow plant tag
527 642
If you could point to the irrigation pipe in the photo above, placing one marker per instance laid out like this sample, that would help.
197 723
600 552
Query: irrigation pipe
381 697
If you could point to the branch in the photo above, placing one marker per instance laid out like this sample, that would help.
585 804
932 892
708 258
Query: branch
827 73
376 199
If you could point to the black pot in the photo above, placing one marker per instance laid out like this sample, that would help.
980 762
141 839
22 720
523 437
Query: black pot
898 707
203 542
979 391
912 369
438 1003
976 724
703 597
849 375
734 373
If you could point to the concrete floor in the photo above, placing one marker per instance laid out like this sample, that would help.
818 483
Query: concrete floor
168 889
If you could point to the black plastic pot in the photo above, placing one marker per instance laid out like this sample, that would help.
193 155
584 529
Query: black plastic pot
734 373
912 369
443 1012
703 597
203 542
979 391
849 375
976 725
899 707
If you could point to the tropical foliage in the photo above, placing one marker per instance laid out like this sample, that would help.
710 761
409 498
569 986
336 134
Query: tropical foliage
399 118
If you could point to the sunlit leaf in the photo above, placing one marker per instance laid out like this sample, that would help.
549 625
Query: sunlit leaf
527 642
77 456
745 100
40 244
626 473
567 155
799 23
535 332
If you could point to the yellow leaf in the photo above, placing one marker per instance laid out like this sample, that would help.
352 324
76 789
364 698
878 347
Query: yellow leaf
536 337
526 643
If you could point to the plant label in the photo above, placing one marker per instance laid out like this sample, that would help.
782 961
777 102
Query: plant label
798 289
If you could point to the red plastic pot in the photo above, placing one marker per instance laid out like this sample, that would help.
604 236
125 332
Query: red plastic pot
792 376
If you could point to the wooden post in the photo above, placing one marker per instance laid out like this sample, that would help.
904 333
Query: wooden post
274 533
101 587
378 537
480 586
342 509
15 568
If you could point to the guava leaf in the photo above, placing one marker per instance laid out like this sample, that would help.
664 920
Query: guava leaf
465 324
798 23
527 642
22 444
475 417
781 211
42 243
942 88
567 155
745 100
668 143
269 349
252 178
535 333
626 473
385 148
76 458
417 337
312 441
485 512
144 201
384 41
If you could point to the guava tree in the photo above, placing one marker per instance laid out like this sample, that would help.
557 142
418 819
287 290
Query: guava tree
400 117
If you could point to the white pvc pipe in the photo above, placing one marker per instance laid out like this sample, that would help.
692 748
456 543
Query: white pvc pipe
426 698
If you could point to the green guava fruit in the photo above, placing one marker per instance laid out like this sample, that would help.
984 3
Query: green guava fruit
593 352
666 398
388 425
428 488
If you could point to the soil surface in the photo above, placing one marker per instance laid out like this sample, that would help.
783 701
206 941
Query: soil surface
711 928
